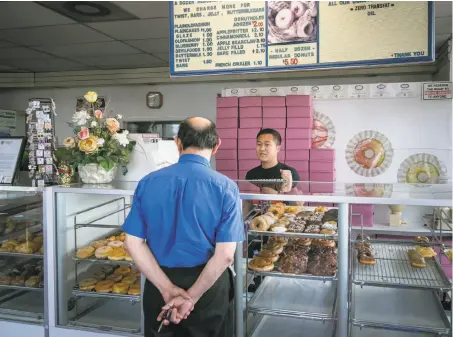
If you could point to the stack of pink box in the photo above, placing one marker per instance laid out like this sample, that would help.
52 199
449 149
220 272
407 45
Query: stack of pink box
299 113
322 171
362 214
227 128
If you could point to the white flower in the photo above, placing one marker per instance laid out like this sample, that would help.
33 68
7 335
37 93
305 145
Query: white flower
119 116
94 124
122 138
101 142
80 117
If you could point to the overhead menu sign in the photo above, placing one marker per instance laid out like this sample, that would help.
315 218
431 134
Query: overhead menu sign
214 37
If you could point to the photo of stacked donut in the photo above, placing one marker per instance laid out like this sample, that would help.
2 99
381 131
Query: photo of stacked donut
365 253
117 280
27 243
110 248
292 21
298 255
29 275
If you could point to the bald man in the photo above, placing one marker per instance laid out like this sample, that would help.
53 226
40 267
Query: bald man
182 233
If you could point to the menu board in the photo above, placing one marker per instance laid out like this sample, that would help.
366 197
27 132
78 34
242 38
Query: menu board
215 37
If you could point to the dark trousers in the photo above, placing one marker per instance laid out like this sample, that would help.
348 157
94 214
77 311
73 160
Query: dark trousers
208 319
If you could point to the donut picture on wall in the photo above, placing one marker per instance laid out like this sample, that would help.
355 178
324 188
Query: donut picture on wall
422 168
292 21
369 153
323 131
369 190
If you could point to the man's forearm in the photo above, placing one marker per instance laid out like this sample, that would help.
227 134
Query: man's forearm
146 262
210 274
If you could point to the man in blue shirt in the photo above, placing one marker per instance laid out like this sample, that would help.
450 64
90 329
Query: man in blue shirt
182 233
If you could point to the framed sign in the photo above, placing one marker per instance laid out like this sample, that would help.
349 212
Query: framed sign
219 37
12 149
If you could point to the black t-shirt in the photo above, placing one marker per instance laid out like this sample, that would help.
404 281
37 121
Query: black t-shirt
259 172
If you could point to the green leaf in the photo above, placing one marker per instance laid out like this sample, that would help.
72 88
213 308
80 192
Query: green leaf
104 164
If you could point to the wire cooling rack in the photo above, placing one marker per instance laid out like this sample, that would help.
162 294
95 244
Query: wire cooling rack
393 268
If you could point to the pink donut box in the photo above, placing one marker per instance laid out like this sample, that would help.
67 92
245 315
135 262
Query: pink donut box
231 154
231 133
227 123
274 123
247 154
323 176
299 100
250 101
297 154
247 144
322 155
318 187
248 133
227 102
226 164
300 123
248 164
230 144
297 144
227 113
298 133
299 165
275 112
230 174
248 123
299 112
251 112
322 166
274 101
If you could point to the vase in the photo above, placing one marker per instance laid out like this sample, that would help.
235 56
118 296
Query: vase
96 174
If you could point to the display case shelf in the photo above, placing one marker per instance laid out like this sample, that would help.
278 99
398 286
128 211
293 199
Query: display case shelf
80 293
295 235
393 269
22 255
308 299
357 331
6 286
293 276
97 261
399 309
271 326
31 229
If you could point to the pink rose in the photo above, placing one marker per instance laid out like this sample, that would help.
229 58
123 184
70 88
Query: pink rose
84 133
98 114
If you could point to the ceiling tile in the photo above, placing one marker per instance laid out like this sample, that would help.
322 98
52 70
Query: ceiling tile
52 35
6 44
122 62
21 53
53 64
90 49
443 8
15 14
151 45
146 9
134 30
443 25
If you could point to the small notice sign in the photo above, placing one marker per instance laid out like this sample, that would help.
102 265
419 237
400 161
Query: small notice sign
436 90
151 138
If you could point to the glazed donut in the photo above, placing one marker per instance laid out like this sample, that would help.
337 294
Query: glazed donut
426 252
117 254
298 8
421 239
278 239
329 226
324 243
277 248
303 241
328 231
103 252
134 289
98 244
267 254
416 259
88 284
111 238
122 270
129 279
104 286
259 224
293 210
120 288
85 253
270 220
99 276
278 229
277 209
114 277
367 259
284 19
115 244
261 264
321 209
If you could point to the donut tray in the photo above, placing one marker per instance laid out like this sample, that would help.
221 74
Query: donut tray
79 293
6 286
393 269
35 256
293 276
295 235
94 260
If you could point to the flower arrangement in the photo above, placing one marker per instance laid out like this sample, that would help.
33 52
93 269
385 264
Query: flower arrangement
97 138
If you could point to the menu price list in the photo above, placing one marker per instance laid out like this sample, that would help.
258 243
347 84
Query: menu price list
214 35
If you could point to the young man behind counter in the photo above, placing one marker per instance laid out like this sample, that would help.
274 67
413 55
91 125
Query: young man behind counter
182 233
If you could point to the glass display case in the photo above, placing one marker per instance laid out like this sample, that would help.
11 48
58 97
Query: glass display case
89 219
23 289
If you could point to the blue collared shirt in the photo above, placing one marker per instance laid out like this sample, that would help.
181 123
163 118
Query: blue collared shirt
183 210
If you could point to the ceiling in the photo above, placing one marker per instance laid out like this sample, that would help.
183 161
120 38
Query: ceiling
34 38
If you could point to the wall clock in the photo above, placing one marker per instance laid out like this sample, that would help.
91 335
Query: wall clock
154 100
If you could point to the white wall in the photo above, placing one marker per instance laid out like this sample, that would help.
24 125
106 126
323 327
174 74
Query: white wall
180 100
